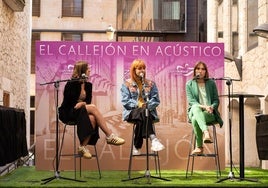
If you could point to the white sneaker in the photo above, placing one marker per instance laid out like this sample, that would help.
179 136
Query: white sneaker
136 151
156 145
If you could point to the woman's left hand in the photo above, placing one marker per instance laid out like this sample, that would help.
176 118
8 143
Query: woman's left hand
209 109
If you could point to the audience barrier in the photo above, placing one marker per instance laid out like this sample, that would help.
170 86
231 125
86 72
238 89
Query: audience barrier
13 144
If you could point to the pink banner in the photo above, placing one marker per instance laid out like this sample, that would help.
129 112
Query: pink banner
169 64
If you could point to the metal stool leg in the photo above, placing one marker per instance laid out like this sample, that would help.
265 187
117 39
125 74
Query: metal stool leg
190 155
131 154
75 154
154 154
216 151
97 158
74 147
157 161
215 155
157 164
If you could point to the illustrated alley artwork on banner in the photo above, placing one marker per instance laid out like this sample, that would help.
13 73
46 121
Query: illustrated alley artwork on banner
169 64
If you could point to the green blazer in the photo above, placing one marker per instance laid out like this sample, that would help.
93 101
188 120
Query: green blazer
192 95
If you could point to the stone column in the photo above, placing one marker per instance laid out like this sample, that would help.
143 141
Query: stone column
212 20
227 25
242 27
263 18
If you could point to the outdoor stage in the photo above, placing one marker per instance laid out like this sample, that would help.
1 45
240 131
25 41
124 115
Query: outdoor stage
29 177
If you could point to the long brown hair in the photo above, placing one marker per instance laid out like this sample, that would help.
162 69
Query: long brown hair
205 66
80 68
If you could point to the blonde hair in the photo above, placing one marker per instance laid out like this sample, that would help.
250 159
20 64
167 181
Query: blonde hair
80 68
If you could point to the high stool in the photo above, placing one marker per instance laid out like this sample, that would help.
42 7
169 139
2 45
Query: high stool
214 155
152 153
75 154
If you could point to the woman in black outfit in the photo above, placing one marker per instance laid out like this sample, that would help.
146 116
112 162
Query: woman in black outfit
76 107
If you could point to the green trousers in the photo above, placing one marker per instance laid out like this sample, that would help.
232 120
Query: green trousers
200 119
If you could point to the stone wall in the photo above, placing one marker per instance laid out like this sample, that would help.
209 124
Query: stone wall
15 48
254 76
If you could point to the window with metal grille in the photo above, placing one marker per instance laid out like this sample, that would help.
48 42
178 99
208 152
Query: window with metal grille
152 15
36 8
35 37
72 8
71 37
6 98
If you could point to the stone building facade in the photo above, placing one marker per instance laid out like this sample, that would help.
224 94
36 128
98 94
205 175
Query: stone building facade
51 24
228 21
15 45
232 22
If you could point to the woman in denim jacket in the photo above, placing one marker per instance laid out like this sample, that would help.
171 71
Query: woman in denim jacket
139 93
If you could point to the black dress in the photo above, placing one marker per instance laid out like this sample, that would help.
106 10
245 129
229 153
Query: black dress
68 114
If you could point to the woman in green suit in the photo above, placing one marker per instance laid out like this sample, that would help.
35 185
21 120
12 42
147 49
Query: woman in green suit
203 103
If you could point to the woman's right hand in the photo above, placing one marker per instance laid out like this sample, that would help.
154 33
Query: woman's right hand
209 109
79 105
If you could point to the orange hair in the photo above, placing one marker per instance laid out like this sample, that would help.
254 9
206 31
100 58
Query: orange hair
136 64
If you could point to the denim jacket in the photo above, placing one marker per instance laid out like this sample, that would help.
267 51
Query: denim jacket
130 94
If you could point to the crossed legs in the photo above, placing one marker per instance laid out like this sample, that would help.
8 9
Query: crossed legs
199 120
97 120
